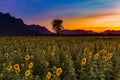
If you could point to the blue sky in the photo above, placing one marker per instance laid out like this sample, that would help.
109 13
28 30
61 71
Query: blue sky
43 11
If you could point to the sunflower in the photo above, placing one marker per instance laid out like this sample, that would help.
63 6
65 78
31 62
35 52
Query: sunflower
96 56
27 57
22 64
110 55
53 54
49 47
104 58
15 51
97 47
58 71
43 52
47 63
48 75
30 65
27 73
83 61
17 70
103 51
1 75
63 64
4 64
16 66
32 56
6 55
54 67
90 55
66 56
9 68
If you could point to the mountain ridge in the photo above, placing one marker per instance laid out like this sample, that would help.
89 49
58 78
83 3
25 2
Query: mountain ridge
11 26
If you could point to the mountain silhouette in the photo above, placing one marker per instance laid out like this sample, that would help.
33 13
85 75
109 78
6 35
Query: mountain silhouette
38 30
11 26
77 32
110 32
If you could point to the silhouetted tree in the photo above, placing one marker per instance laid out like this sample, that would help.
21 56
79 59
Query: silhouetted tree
57 25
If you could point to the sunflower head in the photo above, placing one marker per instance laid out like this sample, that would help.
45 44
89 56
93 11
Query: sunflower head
16 66
104 58
47 63
6 55
58 71
15 51
27 57
83 61
27 73
17 70
1 75
103 51
43 52
4 64
30 65
63 64
9 67
22 64
49 47
97 47
48 75
90 55
96 56
110 55
66 56
53 54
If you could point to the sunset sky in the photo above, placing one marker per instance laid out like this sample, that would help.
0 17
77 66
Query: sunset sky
96 15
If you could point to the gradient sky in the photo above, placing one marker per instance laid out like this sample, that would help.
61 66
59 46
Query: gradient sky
96 15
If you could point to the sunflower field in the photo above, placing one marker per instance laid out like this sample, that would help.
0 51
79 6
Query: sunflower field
60 58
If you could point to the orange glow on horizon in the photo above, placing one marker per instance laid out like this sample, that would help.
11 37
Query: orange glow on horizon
95 22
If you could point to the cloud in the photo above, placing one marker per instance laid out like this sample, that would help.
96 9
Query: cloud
90 18
93 16
98 22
